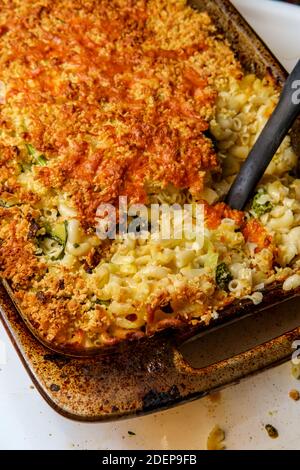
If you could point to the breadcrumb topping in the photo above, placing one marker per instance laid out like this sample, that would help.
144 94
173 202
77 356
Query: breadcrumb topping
128 98
112 112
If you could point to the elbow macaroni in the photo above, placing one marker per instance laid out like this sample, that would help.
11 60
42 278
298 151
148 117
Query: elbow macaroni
138 270
82 290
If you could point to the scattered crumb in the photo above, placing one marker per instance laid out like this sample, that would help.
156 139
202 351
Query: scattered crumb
215 440
131 433
215 397
273 433
32 387
294 395
50 434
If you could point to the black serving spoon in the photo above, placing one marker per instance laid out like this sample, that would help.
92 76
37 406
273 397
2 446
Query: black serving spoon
277 127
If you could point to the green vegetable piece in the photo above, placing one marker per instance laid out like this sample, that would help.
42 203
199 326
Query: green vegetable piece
223 276
60 233
4 204
261 208
103 302
30 149
25 167
39 159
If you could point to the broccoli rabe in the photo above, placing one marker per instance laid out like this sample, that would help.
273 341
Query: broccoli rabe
223 276
260 204
53 240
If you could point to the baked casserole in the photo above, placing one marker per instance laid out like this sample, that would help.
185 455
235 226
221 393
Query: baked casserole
143 100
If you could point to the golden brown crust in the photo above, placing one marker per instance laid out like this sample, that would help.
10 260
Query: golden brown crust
18 262
79 83
117 97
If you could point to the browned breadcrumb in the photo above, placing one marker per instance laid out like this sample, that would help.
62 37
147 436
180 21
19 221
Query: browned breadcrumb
157 318
294 395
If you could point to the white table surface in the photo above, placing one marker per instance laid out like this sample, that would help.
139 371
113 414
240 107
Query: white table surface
27 422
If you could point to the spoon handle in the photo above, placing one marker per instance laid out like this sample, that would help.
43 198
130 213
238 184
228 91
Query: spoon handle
277 127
